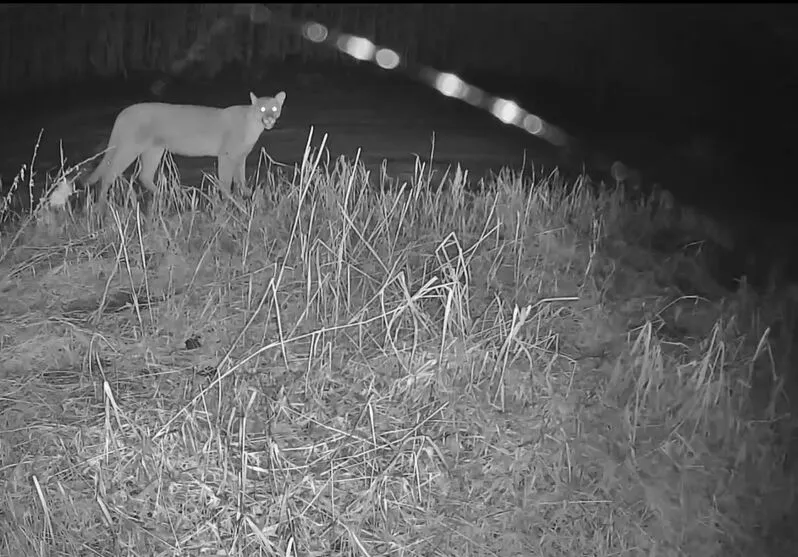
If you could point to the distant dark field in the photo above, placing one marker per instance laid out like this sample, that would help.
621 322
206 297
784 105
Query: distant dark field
391 119
394 118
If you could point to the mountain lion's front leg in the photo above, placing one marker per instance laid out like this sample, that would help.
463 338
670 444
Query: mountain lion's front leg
240 177
226 168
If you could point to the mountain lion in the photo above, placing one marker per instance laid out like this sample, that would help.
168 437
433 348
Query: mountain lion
146 130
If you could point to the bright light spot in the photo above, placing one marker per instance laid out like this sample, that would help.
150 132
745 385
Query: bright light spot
359 48
506 111
387 59
450 85
533 124
315 32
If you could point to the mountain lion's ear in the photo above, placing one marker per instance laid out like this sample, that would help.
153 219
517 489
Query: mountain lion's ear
280 97
253 98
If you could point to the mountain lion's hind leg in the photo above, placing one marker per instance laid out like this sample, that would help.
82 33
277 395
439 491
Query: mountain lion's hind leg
121 158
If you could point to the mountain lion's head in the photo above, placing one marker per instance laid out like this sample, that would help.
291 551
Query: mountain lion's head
268 108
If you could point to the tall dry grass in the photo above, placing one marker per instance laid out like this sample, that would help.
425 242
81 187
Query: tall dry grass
339 369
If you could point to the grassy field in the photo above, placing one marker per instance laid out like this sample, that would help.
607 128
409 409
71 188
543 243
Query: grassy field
427 369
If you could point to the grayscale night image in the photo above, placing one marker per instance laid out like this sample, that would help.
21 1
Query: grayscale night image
398 280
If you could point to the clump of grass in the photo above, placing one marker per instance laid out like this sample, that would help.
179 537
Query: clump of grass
334 369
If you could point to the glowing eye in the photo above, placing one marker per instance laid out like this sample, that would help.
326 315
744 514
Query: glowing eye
263 109
274 109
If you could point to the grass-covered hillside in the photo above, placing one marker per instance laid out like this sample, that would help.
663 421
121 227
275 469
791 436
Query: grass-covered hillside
522 367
